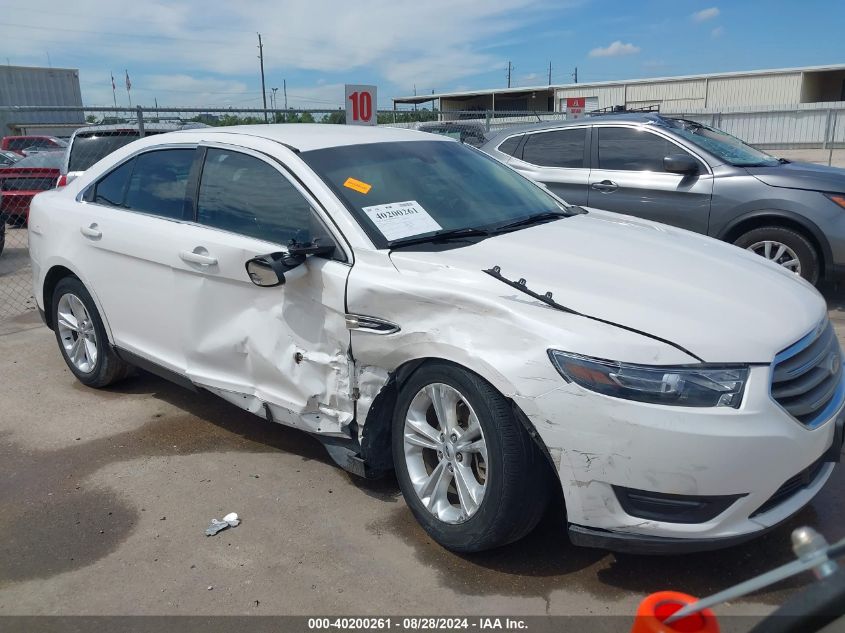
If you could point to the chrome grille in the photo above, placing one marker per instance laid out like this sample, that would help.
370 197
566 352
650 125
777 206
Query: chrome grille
807 377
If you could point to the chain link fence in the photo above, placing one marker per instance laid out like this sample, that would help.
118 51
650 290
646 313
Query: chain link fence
47 154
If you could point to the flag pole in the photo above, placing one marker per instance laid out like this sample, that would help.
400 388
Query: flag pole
113 89
128 88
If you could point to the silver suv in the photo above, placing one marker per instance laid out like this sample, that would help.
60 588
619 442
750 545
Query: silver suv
693 176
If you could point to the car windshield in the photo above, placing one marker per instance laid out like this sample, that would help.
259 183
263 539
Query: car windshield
721 144
401 190
88 148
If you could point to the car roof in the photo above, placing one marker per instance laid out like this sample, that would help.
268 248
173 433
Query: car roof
622 117
305 137
133 125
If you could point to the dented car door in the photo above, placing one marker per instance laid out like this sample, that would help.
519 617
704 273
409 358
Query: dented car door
281 352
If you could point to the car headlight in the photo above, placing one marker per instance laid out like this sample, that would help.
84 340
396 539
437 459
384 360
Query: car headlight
684 386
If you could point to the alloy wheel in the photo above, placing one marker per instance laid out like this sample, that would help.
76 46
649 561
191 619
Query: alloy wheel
77 334
445 453
779 253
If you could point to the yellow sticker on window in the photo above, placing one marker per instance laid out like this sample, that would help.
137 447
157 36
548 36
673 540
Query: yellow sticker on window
357 185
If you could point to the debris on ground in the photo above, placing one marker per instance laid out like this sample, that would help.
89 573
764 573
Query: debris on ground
230 520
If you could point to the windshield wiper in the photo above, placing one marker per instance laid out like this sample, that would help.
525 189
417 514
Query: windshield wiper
537 218
441 236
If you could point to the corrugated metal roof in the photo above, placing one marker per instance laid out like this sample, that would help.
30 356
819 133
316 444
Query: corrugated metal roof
619 82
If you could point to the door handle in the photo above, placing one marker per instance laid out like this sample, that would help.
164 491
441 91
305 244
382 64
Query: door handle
198 258
605 186
91 231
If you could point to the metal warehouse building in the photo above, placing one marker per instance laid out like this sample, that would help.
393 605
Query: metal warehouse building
784 88
33 86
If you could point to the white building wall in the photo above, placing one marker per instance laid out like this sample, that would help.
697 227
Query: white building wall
757 90
607 95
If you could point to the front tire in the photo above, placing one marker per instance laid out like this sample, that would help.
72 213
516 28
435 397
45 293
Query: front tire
82 337
467 468
785 247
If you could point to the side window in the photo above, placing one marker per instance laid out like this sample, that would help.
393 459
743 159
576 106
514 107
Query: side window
243 194
111 189
159 181
632 149
509 145
560 148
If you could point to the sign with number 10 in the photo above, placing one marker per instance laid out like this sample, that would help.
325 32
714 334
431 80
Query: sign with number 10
360 105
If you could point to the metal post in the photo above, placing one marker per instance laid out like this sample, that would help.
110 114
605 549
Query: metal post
832 141
826 128
487 124
140 122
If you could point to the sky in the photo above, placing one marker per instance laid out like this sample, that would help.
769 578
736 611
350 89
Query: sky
204 53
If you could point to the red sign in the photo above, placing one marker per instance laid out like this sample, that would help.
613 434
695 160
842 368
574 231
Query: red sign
575 107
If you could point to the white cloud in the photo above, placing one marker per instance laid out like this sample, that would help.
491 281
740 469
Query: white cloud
706 14
616 49
394 44
719 31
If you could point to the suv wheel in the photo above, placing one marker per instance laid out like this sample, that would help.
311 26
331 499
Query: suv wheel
466 466
82 338
783 246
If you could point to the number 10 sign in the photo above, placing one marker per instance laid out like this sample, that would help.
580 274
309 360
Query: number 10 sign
360 105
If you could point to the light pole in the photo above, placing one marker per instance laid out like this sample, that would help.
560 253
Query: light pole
274 104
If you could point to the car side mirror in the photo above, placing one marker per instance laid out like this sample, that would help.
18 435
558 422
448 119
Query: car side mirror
269 270
680 164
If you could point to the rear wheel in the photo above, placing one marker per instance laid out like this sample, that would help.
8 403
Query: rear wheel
82 337
466 466
785 247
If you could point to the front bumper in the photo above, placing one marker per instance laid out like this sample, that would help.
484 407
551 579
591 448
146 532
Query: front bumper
599 442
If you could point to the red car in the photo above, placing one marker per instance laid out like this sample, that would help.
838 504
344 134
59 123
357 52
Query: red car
19 183
23 144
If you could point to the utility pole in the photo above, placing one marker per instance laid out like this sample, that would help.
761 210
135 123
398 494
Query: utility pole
575 75
550 73
263 91
415 94
273 100
285 88
510 67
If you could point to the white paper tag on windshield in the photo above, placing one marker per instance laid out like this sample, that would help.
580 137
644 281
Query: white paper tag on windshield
401 219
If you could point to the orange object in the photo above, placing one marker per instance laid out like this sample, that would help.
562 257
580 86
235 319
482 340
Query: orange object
659 606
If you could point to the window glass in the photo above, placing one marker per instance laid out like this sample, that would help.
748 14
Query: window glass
456 186
159 181
560 148
510 145
632 149
721 144
111 190
87 149
245 195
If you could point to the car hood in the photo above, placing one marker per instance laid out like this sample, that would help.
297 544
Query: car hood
808 176
721 303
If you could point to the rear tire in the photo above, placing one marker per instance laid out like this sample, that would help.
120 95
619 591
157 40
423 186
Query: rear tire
783 246
82 337
495 484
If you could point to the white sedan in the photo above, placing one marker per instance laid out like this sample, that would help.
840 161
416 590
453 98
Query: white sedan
416 305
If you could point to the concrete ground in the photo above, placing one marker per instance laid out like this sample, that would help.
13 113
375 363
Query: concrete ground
105 496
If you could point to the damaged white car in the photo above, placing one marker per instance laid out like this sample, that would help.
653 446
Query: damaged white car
419 306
